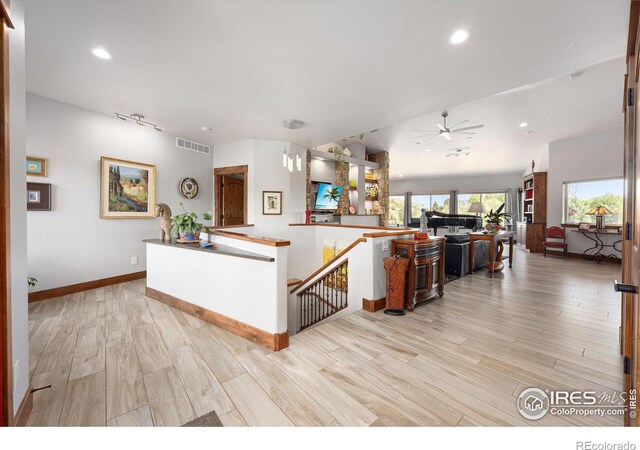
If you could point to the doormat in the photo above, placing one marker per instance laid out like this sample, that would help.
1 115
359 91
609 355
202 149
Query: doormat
210 419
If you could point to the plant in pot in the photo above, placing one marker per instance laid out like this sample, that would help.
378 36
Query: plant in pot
494 219
187 225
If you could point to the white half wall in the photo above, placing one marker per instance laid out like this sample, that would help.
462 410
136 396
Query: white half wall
71 244
18 211
584 157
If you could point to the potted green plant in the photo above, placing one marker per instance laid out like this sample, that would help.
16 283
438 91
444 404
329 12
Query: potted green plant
494 219
186 225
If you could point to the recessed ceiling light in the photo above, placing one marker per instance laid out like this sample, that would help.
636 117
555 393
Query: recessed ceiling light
524 125
427 149
459 36
205 128
101 53
400 176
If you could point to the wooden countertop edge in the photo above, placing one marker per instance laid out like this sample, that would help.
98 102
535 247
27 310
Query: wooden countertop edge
223 227
272 242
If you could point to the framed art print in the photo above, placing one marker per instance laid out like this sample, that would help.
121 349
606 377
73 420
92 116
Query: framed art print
272 203
127 189
36 167
584 226
38 197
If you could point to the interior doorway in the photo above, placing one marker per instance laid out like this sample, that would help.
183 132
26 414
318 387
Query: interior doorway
230 187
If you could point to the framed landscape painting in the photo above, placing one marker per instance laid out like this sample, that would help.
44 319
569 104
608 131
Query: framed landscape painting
127 189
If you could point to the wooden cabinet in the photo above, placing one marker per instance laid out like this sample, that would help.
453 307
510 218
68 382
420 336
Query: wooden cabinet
425 277
535 209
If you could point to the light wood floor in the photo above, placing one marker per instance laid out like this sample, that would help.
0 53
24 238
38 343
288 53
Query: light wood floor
115 357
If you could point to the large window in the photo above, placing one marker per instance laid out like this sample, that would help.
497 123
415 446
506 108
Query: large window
490 200
581 196
396 210
430 202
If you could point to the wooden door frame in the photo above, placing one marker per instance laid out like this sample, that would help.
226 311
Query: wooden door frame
218 175
629 305
6 374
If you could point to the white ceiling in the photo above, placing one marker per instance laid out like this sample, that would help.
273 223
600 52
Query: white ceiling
554 109
241 67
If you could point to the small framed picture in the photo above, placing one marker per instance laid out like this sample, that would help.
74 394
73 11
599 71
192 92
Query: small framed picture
584 226
38 197
36 167
272 202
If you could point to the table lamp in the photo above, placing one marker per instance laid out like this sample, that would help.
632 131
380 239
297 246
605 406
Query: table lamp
599 212
476 207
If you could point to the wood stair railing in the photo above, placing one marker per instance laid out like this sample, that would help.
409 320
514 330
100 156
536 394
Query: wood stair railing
329 263
325 291
325 297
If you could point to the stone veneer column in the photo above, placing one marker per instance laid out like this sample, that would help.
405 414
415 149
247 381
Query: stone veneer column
342 179
382 175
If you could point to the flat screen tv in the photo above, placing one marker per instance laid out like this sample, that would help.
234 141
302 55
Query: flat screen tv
327 197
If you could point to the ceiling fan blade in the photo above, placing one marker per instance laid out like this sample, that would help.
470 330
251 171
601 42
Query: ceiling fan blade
424 135
457 125
446 136
462 132
431 138
423 131
441 127
470 128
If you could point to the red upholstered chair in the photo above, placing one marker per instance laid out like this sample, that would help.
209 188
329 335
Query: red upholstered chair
555 233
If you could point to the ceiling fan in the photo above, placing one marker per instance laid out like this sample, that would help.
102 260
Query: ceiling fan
445 131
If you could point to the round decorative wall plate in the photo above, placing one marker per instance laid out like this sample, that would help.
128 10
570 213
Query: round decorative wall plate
189 188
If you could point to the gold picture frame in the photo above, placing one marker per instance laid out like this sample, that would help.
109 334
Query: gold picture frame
36 167
127 189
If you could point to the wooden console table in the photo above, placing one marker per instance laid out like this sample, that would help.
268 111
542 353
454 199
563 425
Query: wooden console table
425 277
492 238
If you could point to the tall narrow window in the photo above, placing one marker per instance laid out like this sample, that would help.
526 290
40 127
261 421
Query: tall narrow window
396 210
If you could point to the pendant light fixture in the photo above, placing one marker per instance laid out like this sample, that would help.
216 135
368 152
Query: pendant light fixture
287 157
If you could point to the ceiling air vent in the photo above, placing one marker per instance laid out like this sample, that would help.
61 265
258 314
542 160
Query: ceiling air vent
193 146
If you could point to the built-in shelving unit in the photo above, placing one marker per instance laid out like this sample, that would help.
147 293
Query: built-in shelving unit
534 205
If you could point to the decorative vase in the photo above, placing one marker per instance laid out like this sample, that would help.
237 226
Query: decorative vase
189 236
492 227
307 216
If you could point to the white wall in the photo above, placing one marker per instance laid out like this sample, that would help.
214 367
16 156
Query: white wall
18 212
584 157
71 244
323 171
266 173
